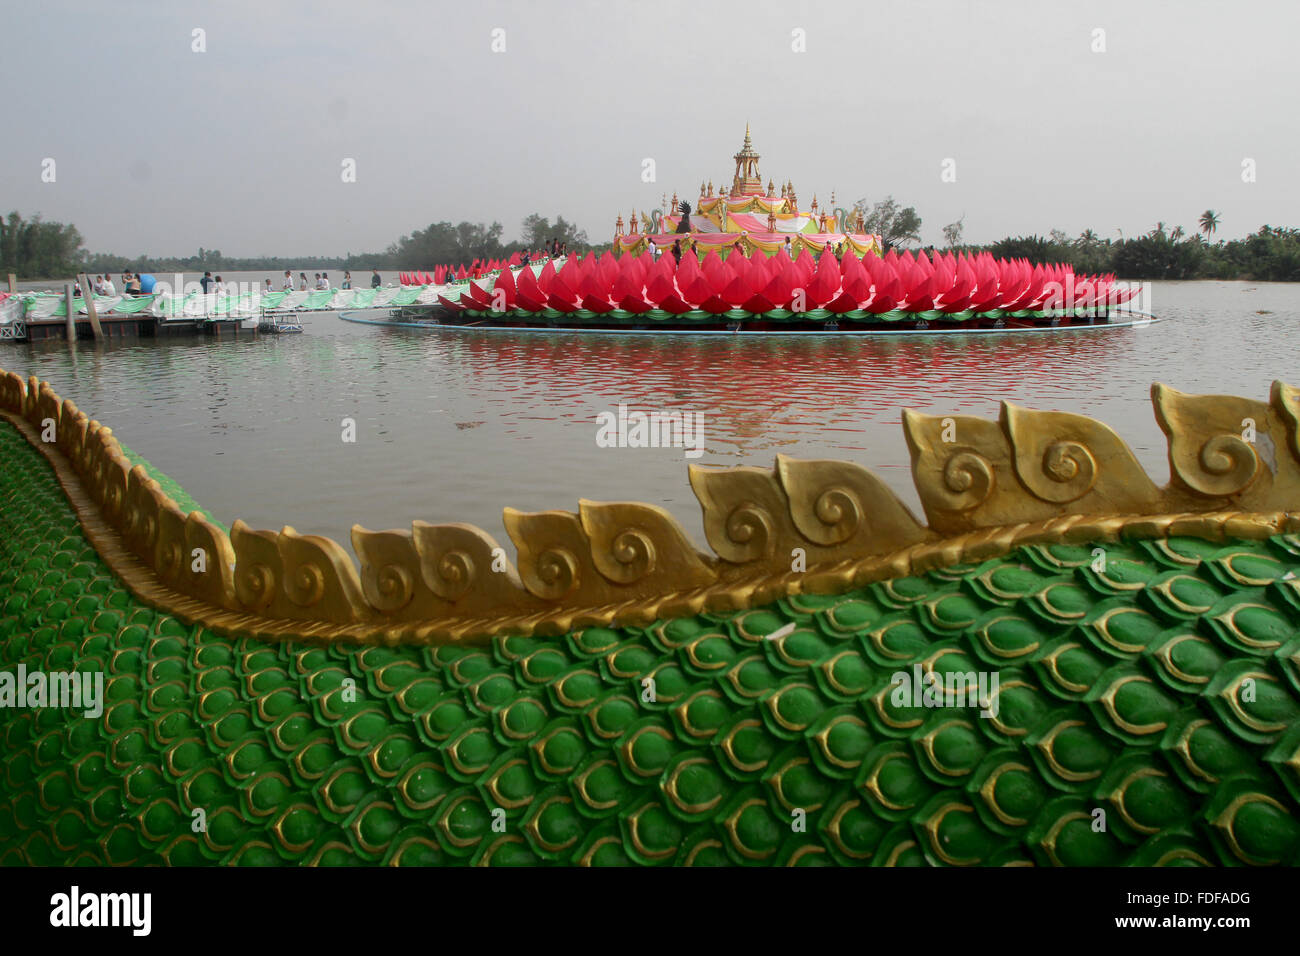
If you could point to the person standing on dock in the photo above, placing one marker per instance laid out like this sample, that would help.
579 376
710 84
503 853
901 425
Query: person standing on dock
131 284
268 290
288 281
375 281
654 250
302 282
677 250
206 282
108 286
347 280
325 281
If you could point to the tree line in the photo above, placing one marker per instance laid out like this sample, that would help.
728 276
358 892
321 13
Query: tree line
34 248
37 249
1271 254
40 249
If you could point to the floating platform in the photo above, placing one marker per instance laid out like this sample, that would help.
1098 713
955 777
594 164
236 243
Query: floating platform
130 327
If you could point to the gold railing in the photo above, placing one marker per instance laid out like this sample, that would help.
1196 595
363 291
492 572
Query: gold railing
805 526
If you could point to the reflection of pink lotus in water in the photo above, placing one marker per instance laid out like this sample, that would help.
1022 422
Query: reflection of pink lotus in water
957 286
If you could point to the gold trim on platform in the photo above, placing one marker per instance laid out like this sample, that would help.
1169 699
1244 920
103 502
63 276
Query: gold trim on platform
804 526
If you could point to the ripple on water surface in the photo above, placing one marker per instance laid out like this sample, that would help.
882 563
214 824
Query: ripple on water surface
451 427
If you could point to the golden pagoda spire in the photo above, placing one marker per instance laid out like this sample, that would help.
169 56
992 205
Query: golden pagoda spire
747 181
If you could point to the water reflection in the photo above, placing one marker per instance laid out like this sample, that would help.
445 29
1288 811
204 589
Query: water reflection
766 390
451 427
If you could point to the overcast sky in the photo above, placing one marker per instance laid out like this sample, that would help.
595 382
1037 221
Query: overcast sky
159 149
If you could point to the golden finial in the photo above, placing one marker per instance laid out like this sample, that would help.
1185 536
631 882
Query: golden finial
769 188
674 199
814 205
618 226
710 187
632 223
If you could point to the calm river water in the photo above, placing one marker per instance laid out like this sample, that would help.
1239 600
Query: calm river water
452 427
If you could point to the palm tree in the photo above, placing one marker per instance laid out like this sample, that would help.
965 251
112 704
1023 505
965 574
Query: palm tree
1177 233
1209 222
1087 237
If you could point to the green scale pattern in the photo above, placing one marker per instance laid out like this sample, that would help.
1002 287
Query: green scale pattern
1163 691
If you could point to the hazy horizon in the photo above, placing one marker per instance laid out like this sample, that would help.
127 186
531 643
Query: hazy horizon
160 150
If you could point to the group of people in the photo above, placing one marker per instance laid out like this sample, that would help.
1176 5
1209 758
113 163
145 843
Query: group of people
135 284
322 281
837 252
210 285
132 284
556 250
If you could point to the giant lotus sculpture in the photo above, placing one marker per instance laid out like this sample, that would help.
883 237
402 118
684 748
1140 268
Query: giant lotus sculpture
897 288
